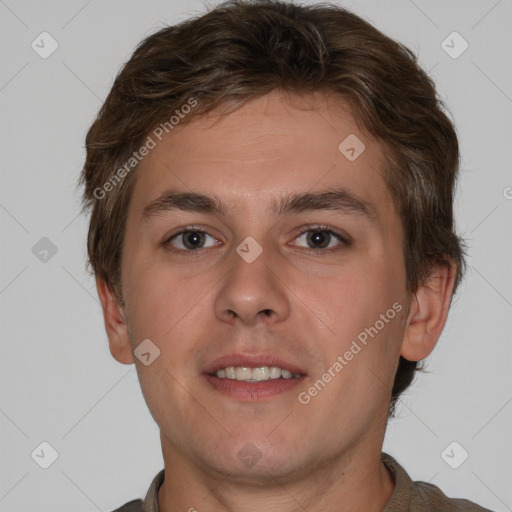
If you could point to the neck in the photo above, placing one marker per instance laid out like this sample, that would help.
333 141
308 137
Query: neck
355 483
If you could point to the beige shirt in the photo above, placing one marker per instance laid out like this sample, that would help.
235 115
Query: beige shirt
408 496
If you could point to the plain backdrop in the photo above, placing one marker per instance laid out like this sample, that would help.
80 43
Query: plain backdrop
59 383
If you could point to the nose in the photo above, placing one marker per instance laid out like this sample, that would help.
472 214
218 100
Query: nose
253 292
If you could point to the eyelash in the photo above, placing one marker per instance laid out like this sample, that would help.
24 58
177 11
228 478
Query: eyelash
197 252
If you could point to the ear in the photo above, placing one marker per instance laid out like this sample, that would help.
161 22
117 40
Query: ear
428 313
117 331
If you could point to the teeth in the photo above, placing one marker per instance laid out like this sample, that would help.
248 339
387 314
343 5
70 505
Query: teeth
254 374
286 374
261 373
243 373
275 372
230 373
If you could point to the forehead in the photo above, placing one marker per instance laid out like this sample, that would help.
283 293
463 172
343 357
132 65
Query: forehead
273 146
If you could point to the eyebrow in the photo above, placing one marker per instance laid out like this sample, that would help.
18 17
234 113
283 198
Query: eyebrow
339 199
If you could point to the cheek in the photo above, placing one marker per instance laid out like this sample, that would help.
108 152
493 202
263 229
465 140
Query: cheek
157 298
364 310
354 295
172 309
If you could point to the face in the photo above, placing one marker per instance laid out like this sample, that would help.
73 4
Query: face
314 286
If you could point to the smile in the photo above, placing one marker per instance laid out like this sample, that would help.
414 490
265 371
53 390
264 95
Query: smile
257 374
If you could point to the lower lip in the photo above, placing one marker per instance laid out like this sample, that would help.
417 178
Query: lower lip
253 391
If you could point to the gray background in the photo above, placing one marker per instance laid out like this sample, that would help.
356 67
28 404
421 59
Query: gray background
59 383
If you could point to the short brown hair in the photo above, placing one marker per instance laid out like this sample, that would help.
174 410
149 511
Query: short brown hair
241 50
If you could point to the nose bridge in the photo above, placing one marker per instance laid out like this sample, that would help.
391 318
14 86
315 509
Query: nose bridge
252 287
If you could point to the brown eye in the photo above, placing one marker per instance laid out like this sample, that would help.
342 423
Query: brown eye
321 238
189 240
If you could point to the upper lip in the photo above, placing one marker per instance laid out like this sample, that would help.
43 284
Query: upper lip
252 361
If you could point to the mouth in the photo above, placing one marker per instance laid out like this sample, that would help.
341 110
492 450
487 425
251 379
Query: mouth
253 378
254 374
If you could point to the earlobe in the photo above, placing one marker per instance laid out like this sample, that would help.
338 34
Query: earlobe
428 313
115 325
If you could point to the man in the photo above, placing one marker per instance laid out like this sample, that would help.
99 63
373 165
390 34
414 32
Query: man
272 234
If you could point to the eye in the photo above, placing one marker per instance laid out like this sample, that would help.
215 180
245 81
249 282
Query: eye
188 240
321 237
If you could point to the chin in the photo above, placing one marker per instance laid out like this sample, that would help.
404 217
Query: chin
255 460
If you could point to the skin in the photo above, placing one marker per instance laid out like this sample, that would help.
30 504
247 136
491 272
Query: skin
322 456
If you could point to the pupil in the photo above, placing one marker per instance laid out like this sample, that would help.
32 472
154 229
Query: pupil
317 237
193 238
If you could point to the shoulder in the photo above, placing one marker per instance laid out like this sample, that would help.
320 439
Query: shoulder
437 500
421 496
131 506
150 503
